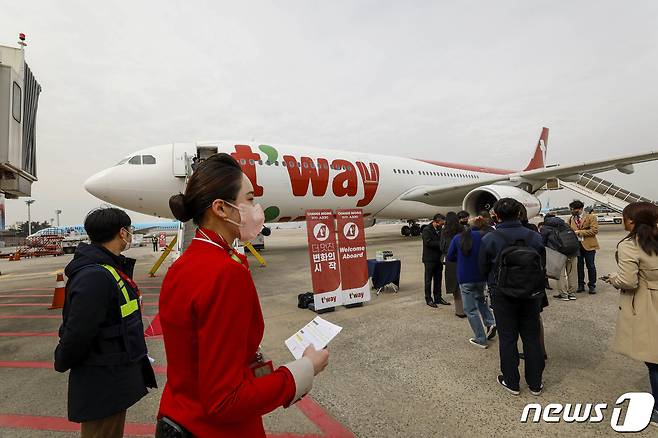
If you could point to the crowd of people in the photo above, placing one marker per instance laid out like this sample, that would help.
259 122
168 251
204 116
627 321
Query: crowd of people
505 263
220 384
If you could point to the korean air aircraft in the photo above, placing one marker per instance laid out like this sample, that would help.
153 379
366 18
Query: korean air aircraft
147 229
288 180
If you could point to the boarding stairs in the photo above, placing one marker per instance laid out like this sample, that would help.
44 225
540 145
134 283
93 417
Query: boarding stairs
603 191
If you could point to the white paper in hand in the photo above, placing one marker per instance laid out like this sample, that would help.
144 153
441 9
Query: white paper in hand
317 332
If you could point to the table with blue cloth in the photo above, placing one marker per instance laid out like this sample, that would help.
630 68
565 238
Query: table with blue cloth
384 273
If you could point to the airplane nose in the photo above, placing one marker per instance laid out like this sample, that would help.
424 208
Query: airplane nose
97 185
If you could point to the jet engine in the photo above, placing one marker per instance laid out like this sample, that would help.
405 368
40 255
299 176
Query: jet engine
483 198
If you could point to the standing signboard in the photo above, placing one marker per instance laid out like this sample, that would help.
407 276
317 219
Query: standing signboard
162 240
325 270
352 255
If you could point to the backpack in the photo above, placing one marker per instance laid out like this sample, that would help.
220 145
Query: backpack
521 273
303 300
566 241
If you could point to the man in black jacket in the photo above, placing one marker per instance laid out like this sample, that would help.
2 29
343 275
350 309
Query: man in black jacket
102 336
549 232
432 261
514 316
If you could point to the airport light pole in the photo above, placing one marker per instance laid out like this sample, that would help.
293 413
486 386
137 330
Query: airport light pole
29 216
58 212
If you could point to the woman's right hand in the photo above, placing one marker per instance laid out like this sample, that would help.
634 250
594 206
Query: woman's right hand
319 359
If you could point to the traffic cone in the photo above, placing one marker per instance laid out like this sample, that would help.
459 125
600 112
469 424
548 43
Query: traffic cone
154 329
60 293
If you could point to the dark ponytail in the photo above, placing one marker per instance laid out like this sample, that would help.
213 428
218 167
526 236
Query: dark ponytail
218 177
466 241
645 225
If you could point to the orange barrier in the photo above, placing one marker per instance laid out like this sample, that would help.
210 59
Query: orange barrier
60 293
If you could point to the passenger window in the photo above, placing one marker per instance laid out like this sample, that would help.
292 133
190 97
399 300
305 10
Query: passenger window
260 162
252 162
276 163
16 103
137 159
148 159
243 161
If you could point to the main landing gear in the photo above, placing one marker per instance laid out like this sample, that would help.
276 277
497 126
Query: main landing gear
413 229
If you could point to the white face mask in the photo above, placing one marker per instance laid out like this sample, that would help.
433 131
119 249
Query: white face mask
128 242
252 219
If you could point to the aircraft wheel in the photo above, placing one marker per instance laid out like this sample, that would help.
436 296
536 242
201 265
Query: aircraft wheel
266 231
618 221
415 230
405 231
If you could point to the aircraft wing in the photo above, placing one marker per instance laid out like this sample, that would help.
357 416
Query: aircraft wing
145 231
454 193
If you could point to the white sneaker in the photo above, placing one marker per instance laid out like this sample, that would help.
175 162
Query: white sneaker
502 383
477 344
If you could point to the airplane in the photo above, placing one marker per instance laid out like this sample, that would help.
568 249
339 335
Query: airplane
147 229
288 180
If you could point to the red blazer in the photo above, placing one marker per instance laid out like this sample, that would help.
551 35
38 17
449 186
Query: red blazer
212 326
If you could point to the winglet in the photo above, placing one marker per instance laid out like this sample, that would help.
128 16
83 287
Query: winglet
537 161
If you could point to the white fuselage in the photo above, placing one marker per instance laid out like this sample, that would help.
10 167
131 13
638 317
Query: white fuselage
288 180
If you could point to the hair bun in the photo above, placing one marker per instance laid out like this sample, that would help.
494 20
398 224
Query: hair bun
178 208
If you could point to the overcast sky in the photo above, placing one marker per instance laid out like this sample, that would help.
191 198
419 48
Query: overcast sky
469 81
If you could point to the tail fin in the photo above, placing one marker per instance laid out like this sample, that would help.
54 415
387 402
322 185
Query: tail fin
537 161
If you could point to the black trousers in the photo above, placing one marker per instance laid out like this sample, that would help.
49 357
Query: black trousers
516 317
586 258
433 272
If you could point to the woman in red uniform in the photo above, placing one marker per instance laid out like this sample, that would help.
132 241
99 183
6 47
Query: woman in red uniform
211 317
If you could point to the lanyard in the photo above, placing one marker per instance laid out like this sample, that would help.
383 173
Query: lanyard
232 252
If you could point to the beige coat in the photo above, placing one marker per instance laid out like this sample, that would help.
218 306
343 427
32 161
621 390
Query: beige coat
637 321
588 229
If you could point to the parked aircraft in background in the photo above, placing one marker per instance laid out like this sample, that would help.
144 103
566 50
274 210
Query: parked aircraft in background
147 229
289 180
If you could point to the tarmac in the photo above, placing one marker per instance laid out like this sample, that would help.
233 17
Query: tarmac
398 369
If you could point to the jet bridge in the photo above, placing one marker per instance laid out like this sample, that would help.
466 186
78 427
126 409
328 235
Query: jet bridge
603 191
19 97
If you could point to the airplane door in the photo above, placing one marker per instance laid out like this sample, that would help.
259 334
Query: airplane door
183 153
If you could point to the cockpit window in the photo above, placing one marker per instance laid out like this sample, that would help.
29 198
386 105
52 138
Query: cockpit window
148 159
137 159
124 161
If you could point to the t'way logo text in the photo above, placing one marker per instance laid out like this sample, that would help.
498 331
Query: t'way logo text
306 171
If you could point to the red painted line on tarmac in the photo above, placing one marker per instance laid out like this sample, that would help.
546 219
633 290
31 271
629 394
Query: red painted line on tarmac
149 304
322 419
53 316
51 295
27 334
61 424
18 364
49 365
314 412
27 296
